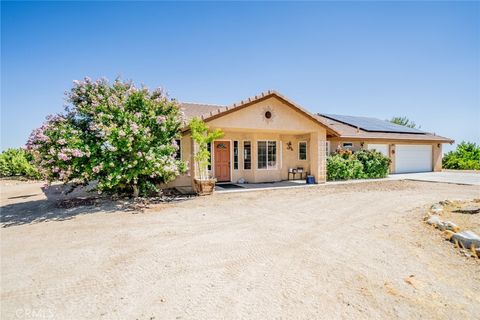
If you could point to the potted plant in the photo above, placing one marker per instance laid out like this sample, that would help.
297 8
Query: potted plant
203 184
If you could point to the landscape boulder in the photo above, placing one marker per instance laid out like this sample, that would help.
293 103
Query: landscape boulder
467 239
451 226
436 222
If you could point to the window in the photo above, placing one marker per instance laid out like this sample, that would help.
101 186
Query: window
347 145
247 155
209 148
302 150
235 155
267 154
178 154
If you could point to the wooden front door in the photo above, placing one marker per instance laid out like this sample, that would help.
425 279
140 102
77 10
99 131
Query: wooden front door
222 160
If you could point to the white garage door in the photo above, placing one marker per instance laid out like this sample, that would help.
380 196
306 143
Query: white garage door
413 158
382 148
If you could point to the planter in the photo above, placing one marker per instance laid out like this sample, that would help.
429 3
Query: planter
204 187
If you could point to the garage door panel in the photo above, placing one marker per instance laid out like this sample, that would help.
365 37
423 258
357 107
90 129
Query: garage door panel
413 158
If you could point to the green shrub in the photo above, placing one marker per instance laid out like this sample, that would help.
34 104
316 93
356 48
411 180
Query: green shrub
361 164
17 162
341 167
375 164
465 157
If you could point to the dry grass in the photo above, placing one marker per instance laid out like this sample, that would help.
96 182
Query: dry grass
464 220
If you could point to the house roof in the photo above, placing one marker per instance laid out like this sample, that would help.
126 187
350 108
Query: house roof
200 110
209 112
342 129
350 131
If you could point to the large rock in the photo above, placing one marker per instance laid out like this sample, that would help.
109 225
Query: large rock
67 191
467 239
449 225
436 222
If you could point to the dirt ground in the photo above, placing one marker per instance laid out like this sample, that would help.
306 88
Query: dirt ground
452 212
358 251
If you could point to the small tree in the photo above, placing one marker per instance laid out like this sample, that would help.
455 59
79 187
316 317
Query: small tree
465 157
202 136
404 121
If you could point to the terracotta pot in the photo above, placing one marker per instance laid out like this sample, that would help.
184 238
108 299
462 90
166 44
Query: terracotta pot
203 187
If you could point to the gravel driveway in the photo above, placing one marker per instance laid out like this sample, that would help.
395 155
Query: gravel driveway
358 251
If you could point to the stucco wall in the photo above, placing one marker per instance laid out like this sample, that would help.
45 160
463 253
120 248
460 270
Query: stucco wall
250 124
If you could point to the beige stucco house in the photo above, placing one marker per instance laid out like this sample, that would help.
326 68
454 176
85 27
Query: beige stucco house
268 136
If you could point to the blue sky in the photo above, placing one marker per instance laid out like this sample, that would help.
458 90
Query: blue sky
381 59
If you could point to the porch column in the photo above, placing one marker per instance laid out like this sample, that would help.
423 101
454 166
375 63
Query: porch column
194 173
318 156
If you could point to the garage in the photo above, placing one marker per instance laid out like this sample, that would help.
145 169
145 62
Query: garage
382 148
413 158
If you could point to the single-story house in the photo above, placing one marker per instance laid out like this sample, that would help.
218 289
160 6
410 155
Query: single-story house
268 135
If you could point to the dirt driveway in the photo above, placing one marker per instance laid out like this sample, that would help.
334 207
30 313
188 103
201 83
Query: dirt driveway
355 251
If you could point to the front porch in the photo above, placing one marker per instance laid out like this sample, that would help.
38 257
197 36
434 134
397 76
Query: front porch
258 157
246 187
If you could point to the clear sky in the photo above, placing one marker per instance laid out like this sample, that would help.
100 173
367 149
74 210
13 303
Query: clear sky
381 59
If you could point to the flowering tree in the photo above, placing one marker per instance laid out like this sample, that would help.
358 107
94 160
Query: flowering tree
121 136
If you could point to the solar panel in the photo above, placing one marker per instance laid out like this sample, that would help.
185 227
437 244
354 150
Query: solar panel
372 124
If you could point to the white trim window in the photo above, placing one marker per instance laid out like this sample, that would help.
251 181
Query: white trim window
210 158
347 145
235 155
266 154
302 150
247 155
178 154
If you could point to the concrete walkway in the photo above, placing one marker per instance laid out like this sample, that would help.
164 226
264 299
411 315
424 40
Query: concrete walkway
456 177
464 178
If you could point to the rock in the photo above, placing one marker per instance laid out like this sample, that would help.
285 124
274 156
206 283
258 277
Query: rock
436 222
58 192
436 207
467 239
451 226
471 209
445 202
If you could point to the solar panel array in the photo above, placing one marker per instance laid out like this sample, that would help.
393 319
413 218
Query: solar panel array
372 124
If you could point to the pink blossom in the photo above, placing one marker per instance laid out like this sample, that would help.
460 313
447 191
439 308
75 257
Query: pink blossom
174 143
61 142
134 127
121 133
77 153
63 156
161 119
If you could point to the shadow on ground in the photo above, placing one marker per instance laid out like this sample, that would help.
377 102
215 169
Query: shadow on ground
44 210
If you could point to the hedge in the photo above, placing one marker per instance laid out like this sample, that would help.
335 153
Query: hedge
364 164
